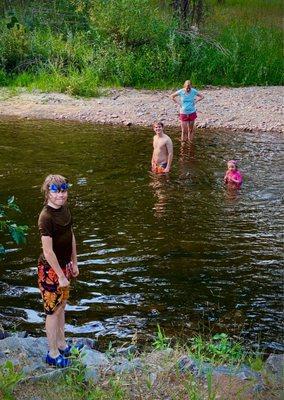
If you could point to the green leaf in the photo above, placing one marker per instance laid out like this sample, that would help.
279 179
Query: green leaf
3 225
14 206
18 233
220 336
11 200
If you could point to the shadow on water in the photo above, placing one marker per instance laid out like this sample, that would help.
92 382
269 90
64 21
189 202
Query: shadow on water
180 250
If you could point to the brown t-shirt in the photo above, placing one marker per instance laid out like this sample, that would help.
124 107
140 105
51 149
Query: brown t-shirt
57 223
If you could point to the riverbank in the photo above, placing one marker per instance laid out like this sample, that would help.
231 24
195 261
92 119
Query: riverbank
126 373
252 109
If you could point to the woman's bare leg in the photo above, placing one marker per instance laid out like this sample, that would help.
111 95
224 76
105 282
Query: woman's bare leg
184 128
190 131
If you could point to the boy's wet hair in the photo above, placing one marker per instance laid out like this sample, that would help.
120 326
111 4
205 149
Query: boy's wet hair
52 179
158 123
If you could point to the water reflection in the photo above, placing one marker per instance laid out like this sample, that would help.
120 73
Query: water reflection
232 193
187 160
160 186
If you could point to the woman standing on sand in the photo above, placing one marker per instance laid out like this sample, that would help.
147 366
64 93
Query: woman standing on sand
187 114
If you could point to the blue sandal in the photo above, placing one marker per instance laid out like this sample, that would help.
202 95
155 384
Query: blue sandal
68 351
59 361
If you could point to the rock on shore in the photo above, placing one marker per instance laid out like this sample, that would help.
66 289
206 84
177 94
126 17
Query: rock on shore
242 109
29 353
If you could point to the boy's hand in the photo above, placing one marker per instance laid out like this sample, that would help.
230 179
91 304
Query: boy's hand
74 270
63 281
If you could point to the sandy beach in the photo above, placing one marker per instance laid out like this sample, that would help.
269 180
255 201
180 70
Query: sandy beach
238 109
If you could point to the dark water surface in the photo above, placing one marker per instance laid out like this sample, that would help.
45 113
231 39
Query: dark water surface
182 250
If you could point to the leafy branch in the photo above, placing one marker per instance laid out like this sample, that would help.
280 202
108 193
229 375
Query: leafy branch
17 232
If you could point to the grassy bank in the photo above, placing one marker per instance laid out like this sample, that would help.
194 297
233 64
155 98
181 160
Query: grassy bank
77 46
159 378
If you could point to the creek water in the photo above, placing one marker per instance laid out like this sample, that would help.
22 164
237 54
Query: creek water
179 250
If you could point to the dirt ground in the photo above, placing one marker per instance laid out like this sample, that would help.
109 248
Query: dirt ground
239 109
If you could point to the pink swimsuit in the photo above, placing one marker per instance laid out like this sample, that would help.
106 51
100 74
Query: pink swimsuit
234 177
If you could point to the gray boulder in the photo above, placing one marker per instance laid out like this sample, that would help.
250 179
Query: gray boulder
93 358
201 369
25 347
275 366
93 361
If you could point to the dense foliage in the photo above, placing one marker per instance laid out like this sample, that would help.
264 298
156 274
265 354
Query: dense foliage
74 46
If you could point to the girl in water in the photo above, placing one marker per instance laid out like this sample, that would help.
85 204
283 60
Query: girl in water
233 176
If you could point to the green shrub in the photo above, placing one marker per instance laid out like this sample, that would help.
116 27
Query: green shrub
76 46
9 377
4 79
14 47
220 348
161 341
133 23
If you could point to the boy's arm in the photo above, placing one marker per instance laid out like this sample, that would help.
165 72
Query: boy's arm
51 258
75 269
153 159
169 145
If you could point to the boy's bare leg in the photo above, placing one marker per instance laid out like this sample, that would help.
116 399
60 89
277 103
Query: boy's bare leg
55 332
51 324
61 341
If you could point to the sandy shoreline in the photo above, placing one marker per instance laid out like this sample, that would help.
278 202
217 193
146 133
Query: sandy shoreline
238 109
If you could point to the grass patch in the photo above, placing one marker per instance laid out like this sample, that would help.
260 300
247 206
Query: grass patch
9 378
254 12
218 349
75 47
73 83
161 341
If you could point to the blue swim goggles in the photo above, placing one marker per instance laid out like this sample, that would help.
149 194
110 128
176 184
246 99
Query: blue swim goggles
58 188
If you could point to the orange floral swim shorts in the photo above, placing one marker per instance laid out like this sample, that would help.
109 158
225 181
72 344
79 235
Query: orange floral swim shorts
51 293
159 168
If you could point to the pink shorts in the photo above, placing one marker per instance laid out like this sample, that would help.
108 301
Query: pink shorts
188 117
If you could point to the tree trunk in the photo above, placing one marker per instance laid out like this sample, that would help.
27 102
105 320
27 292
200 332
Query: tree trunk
189 11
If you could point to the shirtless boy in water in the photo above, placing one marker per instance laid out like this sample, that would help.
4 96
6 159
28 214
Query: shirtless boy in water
163 150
